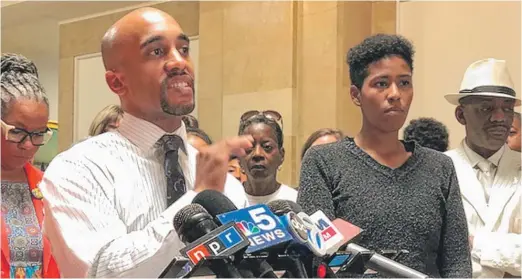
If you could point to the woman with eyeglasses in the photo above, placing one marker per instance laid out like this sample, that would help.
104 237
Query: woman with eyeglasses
264 159
25 111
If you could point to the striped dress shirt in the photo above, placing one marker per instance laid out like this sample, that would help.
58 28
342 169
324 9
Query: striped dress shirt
105 203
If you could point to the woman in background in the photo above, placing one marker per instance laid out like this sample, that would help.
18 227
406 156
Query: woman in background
107 119
264 159
26 253
198 138
321 136
513 140
190 121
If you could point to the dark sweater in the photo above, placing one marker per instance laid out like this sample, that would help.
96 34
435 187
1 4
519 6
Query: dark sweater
416 207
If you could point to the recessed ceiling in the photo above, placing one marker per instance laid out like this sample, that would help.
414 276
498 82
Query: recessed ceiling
23 12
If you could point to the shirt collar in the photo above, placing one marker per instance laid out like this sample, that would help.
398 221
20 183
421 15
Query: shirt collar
475 158
145 134
263 199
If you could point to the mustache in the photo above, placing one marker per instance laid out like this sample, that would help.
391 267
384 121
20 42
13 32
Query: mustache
498 126
177 72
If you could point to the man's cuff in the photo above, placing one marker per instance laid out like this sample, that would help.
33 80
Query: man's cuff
484 251
167 224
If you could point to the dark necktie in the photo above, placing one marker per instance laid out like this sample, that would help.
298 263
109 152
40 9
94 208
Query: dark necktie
173 172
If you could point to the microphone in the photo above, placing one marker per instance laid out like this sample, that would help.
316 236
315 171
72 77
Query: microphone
299 250
286 211
259 225
216 203
376 262
281 207
322 237
204 239
330 236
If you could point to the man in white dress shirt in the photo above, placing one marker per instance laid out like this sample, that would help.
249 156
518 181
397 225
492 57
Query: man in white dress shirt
487 170
106 207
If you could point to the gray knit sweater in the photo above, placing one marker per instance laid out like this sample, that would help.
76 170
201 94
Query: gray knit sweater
416 207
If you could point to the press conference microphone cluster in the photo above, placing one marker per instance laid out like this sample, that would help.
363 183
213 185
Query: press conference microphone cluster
340 233
255 241
198 227
216 204
193 223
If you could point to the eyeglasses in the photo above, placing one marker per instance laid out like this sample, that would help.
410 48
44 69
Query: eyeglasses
270 114
18 135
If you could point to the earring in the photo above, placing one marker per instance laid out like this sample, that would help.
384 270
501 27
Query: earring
279 168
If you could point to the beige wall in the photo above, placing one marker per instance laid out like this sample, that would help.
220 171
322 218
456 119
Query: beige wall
44 53
448 36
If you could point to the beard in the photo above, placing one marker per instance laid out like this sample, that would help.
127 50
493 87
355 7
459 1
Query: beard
174 109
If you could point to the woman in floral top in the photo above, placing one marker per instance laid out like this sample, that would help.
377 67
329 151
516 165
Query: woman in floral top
25 111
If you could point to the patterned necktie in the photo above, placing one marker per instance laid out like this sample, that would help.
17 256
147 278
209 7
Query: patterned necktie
173 172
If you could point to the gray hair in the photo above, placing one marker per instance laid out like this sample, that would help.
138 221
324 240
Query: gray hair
19 81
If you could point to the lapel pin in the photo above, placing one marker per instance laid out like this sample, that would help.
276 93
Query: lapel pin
37 193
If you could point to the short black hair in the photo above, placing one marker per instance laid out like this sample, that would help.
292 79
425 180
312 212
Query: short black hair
427 132
190 121
373 49
200 134
318 134
263 119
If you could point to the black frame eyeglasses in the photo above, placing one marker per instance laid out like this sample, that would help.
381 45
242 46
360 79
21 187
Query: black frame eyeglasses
19 135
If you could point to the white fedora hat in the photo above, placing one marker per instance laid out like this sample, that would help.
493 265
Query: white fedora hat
487 77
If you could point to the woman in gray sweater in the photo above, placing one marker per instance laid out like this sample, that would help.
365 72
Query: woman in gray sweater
402 195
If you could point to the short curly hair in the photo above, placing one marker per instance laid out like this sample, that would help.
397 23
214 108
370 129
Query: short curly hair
265 120
427 132
373 49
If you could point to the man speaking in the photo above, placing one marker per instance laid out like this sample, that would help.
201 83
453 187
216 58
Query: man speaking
111 200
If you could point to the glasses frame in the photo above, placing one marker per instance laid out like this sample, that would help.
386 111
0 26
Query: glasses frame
270 114
8 128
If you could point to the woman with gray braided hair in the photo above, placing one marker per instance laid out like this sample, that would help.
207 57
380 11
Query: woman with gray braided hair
25 111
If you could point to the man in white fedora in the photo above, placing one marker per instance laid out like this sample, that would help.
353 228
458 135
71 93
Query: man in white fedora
487 170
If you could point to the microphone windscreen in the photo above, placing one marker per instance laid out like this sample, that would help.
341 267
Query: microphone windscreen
214 202
295 207
187 213
281 207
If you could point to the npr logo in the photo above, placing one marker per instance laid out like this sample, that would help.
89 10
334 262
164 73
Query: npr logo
218 245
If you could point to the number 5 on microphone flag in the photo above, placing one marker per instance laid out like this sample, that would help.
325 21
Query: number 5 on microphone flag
259 224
